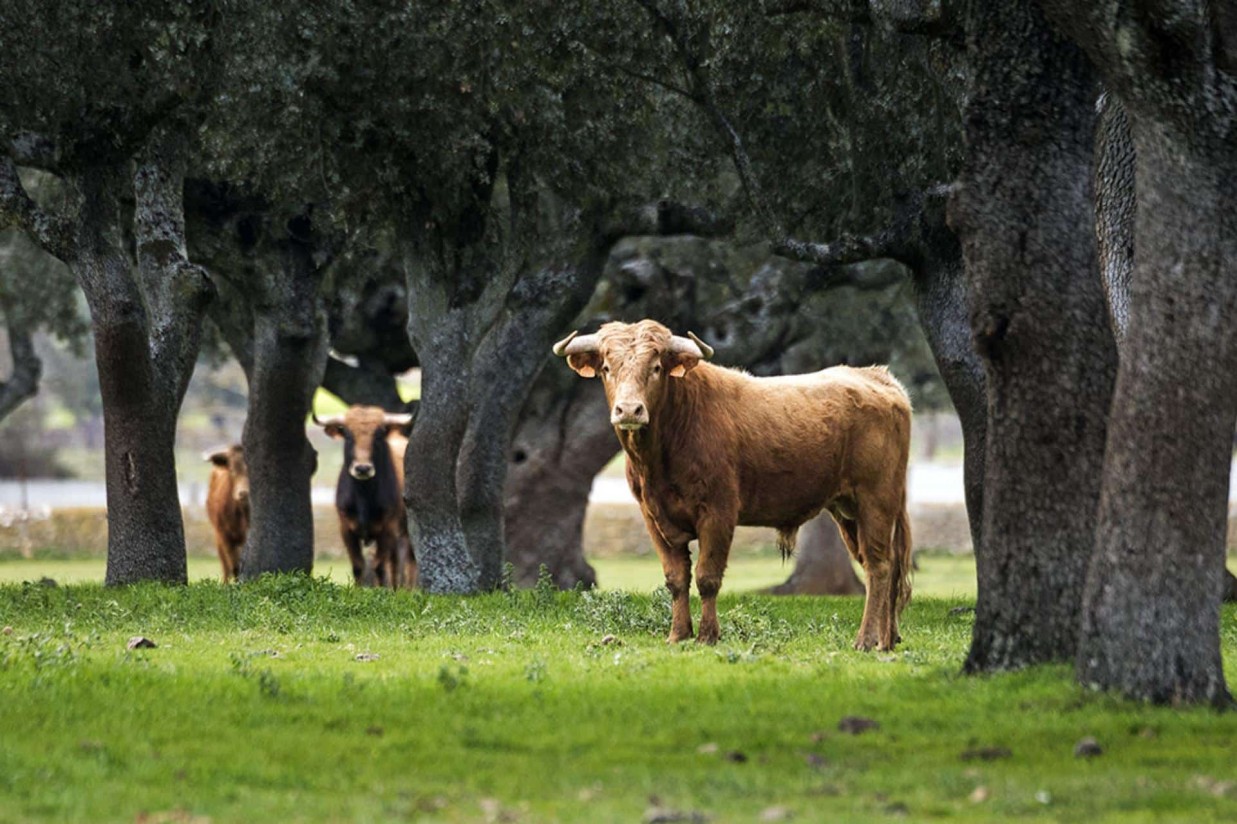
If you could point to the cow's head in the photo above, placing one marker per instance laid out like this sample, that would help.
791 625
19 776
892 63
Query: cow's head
361 428
634 360
233 460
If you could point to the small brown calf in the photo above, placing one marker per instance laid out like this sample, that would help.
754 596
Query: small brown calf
227 506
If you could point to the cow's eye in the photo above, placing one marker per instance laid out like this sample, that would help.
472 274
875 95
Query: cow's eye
605 369
656 369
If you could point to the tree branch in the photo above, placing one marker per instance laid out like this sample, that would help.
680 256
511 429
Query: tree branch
52 232
846 249
665 218
703 93
27 368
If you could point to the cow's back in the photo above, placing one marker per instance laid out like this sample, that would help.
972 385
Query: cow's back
802 440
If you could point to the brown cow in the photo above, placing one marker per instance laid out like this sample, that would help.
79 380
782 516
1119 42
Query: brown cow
709 448
227 506
369 496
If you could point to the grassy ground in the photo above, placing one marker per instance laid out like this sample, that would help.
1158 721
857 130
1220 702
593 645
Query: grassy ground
938 575
294 699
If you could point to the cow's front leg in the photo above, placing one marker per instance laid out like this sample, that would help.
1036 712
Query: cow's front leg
676 563
224 546
386 557
352 543
715 537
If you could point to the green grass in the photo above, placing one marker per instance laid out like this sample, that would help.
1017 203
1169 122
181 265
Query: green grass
938 575
265 702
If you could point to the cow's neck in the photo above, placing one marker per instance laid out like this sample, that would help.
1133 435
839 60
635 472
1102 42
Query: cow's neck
654 450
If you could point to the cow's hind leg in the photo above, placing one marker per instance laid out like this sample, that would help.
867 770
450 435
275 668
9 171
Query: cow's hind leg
715 538
875 534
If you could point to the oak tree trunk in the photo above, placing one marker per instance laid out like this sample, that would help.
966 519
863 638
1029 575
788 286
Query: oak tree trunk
1024 216
147 327
562 441
944 314
1152 610
444 564
289 355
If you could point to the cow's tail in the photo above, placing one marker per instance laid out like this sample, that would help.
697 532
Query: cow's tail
901 590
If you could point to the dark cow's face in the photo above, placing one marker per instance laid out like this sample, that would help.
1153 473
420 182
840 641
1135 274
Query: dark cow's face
233 460
635 362
360 426
363 429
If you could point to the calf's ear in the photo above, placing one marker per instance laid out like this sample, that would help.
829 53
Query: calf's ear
586 364
334 430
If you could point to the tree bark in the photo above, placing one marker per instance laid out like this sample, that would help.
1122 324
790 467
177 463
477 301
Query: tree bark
506 366
1115 216
1024 217
934 256
435 526
563 439
1151 623
822 563
289 355
1114 209
147 330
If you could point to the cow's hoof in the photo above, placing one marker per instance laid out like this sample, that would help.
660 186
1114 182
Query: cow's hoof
707 637
678 637
865 644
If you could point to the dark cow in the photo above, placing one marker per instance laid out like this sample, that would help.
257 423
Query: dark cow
227 506
708 448
369 496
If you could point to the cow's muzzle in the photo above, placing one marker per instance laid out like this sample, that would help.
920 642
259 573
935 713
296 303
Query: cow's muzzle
629 415
362 472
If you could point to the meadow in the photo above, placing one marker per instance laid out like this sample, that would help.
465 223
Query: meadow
302 699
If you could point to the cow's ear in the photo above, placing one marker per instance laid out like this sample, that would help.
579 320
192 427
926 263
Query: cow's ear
679 364
334 430
218 459
586 364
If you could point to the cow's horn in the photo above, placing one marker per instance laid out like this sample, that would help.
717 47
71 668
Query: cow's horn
333 420
393 419
560 348
573 345
705 349
693 346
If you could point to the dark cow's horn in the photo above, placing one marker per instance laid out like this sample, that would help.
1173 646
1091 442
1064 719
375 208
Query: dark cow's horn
693 346
573 345
392 419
